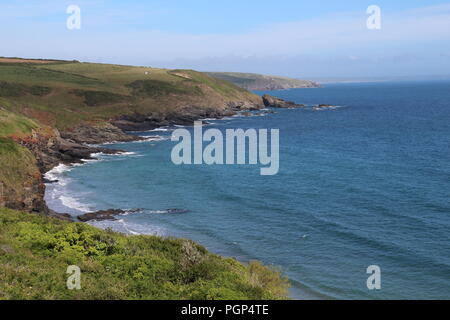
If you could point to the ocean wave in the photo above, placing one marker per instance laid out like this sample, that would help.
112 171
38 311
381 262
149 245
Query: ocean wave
152 139
161 129
128 227
167 211
56 172
316 108
73 203
129 153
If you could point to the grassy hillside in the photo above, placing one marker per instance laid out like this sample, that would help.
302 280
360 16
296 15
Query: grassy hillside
252 81
63 94
35 252
18 172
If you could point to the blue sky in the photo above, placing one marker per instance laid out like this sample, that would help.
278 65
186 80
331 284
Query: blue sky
295 38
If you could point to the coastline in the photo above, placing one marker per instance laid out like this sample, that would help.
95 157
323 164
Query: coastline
300 291
53 174
93 141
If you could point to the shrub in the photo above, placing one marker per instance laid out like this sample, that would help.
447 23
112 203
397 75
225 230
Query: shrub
96 98
156 88
35 252
8 89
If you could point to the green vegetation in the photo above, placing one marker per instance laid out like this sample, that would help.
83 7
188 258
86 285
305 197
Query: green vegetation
95 98
35 252
224 87
16 90
156 88
62 93
18 169
15 124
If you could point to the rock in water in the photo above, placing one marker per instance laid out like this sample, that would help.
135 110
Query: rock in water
274 102
101 215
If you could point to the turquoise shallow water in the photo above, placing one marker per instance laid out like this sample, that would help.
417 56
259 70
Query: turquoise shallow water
367 183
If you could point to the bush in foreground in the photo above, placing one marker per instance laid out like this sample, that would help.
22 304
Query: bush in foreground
35 252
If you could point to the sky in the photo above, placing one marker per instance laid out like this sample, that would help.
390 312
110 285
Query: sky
296 38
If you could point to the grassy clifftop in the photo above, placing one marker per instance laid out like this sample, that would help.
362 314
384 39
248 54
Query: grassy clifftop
35 252
63 94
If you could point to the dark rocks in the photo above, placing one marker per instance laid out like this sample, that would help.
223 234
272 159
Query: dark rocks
240 106
103 133
111 214
101 215
60 216
71 152
184 116
274 102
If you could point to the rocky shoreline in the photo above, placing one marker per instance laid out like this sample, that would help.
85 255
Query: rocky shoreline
76 144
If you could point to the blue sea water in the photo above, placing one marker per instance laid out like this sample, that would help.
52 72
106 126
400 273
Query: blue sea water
367 183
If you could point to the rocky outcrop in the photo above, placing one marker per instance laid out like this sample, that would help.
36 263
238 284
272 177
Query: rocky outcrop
322 107
103 133
111 214
51 150
101 215
43 151
274 102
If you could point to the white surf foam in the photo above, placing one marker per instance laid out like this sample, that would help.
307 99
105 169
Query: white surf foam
73 203
128 227
152 139
159 130
55 173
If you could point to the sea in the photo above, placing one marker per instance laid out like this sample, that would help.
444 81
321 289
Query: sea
365 183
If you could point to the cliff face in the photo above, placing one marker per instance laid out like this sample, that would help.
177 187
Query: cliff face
21 185
26 159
